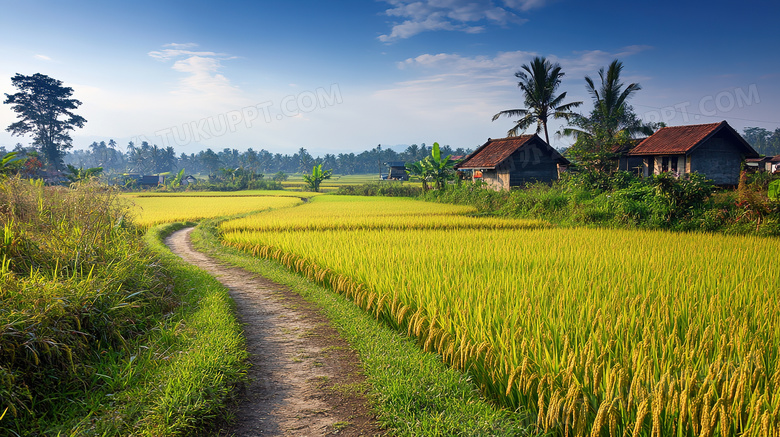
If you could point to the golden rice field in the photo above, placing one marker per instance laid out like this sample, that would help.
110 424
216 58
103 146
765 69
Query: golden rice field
243 193
600 332
340 212
152 210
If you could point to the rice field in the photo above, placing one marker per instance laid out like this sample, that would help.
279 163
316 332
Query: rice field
148 211
599 332
351 212
243 193
296 182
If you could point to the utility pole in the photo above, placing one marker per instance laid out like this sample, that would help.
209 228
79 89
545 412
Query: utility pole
379 159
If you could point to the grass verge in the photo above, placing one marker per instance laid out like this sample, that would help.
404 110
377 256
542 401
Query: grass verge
414 393
102 333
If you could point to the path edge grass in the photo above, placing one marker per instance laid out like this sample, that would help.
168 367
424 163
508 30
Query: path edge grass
191 393
413 392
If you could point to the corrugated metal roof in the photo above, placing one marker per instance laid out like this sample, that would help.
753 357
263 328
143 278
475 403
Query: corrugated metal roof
494 152
682 139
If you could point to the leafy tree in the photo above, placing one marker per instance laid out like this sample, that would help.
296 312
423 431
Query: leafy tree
539 83
80 174
765 142
280 176
210 160
45 110
316 177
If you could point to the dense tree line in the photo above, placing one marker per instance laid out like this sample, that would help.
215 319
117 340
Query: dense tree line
148 158
765 142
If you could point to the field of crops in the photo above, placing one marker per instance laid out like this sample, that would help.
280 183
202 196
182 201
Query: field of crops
600 332
296 182
152 210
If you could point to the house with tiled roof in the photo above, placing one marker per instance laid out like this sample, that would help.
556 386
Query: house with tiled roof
512 162
714 150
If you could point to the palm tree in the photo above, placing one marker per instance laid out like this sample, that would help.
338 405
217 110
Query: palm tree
539 83
611 112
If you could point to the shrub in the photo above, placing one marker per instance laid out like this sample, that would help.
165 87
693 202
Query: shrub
389 189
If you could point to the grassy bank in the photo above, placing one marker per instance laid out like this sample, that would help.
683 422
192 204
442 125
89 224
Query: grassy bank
413 391
622 200
99 334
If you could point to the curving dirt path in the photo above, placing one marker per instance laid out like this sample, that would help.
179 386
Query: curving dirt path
304 379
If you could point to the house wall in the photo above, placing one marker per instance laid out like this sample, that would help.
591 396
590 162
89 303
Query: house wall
630 163
531 163
718 159
682 164
495 180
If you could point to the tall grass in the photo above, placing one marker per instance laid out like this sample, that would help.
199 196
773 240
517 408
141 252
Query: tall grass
99 335
75 284
598 332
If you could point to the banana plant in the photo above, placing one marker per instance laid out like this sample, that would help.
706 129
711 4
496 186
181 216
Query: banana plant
418 171
316 177
441 169
176 181
7 161
433 168
80 174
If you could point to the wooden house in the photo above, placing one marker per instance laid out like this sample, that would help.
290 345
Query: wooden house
625 162
714 150
512 162
763 163
397 171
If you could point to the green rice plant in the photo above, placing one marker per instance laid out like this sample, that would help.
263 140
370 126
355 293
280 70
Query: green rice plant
598 332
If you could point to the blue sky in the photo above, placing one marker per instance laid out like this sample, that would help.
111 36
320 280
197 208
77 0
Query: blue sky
340 77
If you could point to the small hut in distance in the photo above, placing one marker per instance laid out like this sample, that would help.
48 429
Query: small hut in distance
514 161
397 171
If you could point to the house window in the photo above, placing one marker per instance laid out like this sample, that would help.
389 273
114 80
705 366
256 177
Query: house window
674 164
664 164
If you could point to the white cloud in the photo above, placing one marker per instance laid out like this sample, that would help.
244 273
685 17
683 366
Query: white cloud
454 15
42 57
466 91
202 73
525 5
186 45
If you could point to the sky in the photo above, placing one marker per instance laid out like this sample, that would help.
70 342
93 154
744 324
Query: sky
346 76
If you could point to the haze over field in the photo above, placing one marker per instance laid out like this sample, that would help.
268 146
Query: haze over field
344 77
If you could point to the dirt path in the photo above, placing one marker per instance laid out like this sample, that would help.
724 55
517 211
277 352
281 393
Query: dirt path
304 379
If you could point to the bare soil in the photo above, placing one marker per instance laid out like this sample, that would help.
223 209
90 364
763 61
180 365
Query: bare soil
304 378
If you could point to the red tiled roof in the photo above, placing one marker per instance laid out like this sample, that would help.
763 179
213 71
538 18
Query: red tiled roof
775 159
494 152
682 139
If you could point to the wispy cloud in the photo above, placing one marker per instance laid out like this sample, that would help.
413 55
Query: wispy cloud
470 16
462 89
43 57
201 69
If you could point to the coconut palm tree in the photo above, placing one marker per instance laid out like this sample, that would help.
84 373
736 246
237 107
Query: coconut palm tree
611 112
611 126
539 82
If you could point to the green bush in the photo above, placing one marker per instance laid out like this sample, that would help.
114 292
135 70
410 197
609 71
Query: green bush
388 189
621 199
